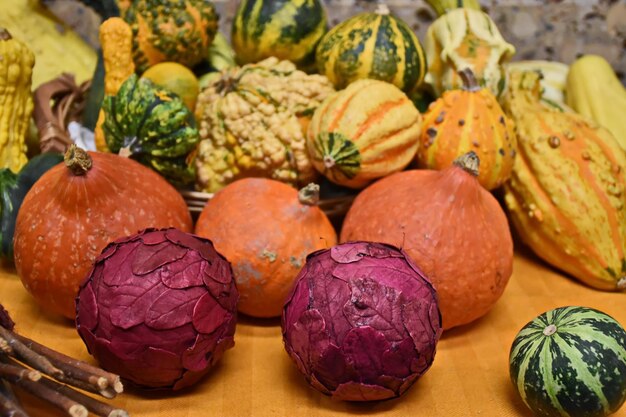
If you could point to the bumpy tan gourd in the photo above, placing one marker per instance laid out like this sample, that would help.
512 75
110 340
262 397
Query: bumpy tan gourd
251 122
465 38
117 53
16 100
567 193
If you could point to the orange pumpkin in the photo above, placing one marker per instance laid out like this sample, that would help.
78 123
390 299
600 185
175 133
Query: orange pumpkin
450 226
265 228
469 119
75 209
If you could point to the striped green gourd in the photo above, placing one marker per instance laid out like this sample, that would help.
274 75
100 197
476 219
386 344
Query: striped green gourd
286 29
152 126
374 45
570 362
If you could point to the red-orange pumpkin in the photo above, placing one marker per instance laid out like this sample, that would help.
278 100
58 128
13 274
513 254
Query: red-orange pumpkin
451 227
75 209
265 228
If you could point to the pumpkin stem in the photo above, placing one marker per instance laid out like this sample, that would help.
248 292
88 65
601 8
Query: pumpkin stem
550 330
469 80
77 160
469 162
621 284
382 9
309 195
5 35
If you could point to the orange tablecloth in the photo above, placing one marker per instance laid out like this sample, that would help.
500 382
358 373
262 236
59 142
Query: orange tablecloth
256 378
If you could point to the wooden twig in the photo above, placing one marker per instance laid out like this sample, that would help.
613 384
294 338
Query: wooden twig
97 407
71 407
27 355
76 370
9 404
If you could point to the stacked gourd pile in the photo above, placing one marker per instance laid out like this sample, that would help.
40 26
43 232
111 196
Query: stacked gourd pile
423 134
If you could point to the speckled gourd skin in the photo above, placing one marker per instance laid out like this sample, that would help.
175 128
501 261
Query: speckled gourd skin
464 120
366 131
465 38
567 193
171 30
374 45
16 100
251 121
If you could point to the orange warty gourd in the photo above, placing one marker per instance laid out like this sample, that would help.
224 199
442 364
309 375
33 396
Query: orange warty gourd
75 209
469 119
265 228
450 226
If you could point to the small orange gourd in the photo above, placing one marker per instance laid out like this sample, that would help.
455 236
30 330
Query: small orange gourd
265 228
453 229
469 119
75 209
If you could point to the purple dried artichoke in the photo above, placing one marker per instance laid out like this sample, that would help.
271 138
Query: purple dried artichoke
5 319
362 322
158 308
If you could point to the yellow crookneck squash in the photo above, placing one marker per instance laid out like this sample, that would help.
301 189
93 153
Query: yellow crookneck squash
567 193
16 100
117 53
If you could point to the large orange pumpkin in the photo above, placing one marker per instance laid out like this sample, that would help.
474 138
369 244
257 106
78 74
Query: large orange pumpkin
75 209
469 119
451 227
265 228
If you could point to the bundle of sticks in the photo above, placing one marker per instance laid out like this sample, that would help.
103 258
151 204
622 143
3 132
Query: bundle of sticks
52 376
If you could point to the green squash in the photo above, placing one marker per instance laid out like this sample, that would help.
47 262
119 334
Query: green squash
570 362
153 126
286 29
375 45
13 189
171 30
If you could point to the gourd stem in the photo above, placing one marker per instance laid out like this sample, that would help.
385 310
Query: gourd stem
77 160
469 162
469 80
382 9
621 284
309 195
5 35
549 330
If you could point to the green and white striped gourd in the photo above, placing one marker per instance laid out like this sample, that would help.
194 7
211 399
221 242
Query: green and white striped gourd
375 45
570 362
285 29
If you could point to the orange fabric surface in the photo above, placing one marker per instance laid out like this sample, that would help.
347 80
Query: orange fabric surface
469 377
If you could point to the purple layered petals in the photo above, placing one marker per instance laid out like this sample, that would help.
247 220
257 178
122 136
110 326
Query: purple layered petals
150 312
186 273
362 323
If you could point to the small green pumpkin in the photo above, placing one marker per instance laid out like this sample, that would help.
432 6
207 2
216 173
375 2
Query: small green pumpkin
153 126
286 29
13 189
375 45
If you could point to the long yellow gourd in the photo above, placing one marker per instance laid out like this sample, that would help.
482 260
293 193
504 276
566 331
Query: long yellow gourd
117 52
16 100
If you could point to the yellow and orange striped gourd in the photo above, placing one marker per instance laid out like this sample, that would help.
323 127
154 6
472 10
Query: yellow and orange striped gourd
366 131
469 119
567 193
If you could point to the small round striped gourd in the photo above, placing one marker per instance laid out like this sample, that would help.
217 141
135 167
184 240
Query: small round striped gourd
469 119
570 361
373 45
364 132
286 29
